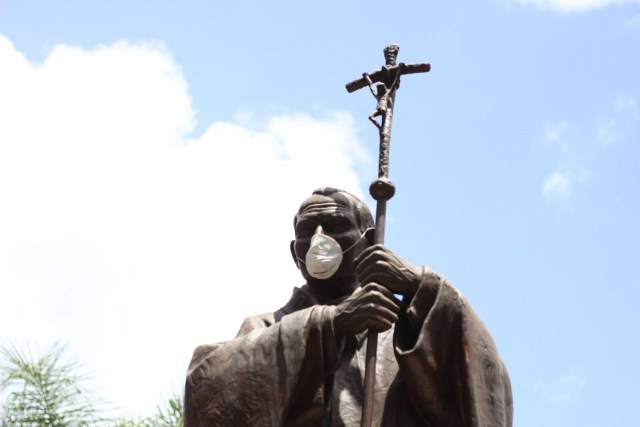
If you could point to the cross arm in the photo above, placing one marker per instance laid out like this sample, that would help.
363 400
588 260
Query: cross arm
423 67
380 75
362 82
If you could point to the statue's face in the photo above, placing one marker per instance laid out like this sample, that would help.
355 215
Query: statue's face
337 219
391 58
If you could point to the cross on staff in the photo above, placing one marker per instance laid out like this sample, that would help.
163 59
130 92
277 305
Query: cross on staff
388 82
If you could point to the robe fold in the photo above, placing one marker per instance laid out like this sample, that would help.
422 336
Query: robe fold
438 367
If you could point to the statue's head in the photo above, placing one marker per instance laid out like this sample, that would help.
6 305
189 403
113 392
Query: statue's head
391 54
342 217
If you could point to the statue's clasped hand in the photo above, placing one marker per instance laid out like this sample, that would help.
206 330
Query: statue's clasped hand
371 307
379 264
382 275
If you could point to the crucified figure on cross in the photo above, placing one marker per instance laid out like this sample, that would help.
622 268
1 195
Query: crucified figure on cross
381 93
388 79
384 90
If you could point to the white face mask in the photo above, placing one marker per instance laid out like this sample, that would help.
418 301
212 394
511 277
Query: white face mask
324 256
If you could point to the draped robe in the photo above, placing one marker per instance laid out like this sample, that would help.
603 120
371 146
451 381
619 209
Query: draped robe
437 367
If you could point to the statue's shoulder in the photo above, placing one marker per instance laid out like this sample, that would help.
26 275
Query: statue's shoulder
259 321
300 299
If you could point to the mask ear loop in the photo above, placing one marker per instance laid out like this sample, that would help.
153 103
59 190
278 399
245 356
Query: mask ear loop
365 234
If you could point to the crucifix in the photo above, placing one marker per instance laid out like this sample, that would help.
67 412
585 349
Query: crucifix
388 82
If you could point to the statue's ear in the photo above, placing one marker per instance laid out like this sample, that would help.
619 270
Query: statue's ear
293 253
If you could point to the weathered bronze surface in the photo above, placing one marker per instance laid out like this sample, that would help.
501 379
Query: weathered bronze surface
304 364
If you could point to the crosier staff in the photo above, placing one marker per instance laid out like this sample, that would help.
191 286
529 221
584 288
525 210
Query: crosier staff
388 79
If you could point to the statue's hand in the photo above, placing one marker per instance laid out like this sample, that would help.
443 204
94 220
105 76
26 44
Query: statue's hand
379 264
370 307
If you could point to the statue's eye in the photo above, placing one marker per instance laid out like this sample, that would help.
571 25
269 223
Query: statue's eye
305 230
336 226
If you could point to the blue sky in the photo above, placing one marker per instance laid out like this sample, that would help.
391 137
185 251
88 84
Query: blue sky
152 155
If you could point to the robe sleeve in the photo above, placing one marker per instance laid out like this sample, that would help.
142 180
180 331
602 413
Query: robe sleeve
265 376
448 361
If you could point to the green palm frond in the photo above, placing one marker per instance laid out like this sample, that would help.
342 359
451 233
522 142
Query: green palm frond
44 391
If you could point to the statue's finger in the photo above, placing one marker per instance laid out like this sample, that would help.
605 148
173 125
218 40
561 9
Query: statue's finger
369 256
381 295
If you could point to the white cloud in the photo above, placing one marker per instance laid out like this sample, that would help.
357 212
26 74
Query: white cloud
555 133
571 6
625 112
566 388
127 238
576 154
558 184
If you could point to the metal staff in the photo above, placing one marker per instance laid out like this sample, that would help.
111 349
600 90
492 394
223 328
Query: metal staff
388 79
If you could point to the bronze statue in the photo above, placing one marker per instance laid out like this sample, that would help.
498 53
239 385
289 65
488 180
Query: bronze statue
305 364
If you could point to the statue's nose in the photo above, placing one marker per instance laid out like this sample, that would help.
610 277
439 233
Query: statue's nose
319 230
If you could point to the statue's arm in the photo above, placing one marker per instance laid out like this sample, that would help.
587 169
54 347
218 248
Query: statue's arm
448 361
267 375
